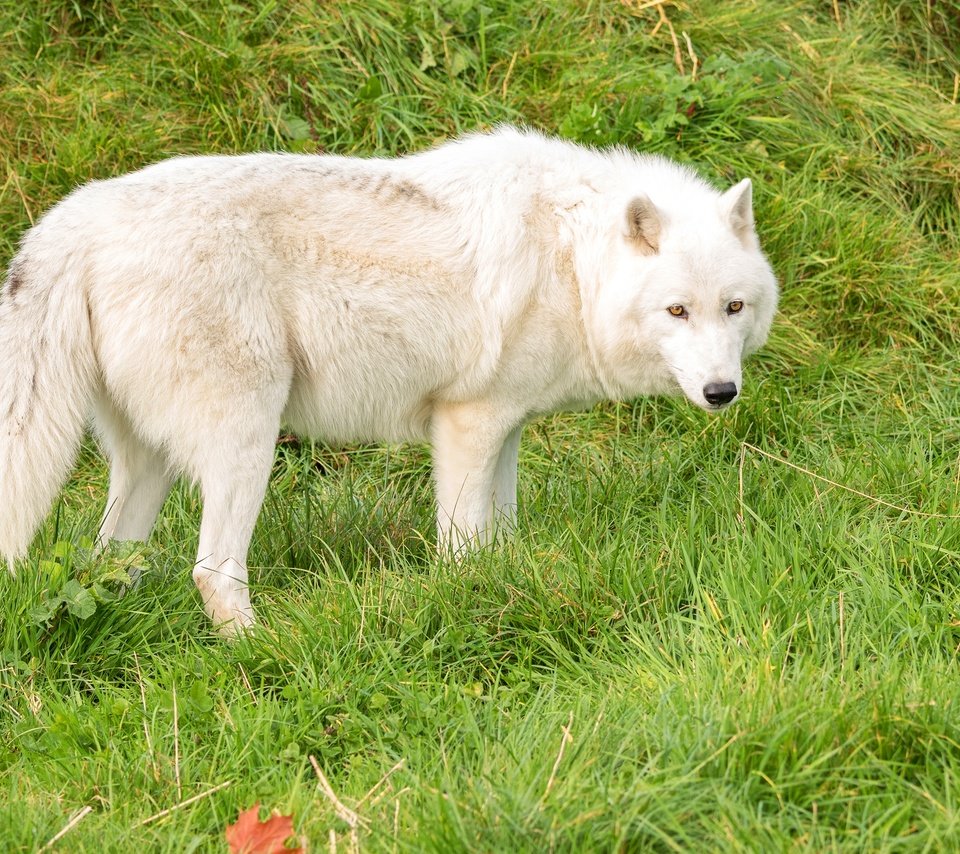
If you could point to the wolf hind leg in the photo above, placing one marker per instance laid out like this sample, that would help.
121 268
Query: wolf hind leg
140 479
505 483
233 467
232 496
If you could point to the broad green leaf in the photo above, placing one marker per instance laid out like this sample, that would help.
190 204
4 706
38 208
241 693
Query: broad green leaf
200 698
370 90
78 599
43 613
427 59
295 128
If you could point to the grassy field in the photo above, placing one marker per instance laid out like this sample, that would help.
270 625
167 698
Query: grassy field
728 633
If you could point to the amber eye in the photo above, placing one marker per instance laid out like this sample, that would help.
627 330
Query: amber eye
677 310
735 306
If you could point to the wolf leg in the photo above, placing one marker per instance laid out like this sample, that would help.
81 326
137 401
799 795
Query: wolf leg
233 473
467 446
505 482
140 479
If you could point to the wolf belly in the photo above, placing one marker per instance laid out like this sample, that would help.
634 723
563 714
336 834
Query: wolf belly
373 354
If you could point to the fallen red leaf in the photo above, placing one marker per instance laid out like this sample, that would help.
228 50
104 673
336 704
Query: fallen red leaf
251 836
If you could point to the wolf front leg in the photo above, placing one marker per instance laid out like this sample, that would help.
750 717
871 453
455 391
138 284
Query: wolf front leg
473 455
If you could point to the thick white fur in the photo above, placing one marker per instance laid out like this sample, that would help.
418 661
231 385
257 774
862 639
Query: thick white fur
452 295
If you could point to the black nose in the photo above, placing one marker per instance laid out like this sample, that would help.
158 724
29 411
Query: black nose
718 394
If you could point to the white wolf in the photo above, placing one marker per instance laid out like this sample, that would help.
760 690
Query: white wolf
452 295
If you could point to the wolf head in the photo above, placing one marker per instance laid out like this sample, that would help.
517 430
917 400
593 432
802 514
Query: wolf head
686 294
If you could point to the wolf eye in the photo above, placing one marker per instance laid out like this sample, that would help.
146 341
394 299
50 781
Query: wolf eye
734 306
677 310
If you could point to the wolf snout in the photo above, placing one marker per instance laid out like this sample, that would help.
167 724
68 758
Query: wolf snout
717 394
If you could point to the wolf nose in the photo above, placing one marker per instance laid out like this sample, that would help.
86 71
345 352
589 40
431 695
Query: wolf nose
719 393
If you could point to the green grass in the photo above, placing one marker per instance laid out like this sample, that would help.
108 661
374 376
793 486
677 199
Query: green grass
689 645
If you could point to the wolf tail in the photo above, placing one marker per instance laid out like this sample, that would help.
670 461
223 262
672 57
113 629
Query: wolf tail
47 380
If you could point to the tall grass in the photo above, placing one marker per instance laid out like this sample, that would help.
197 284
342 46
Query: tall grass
736 633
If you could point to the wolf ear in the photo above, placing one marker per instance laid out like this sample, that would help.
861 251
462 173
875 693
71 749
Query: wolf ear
737 206
644 223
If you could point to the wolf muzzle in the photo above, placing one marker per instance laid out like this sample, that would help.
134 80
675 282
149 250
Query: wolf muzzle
718 394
